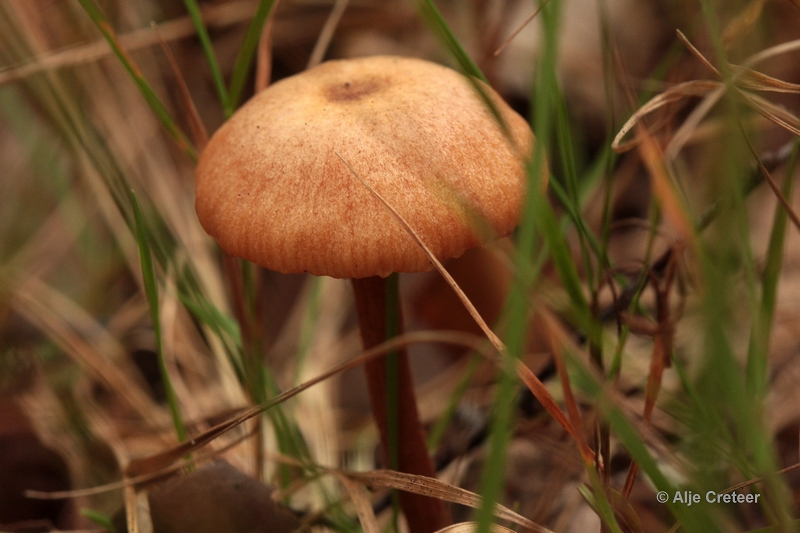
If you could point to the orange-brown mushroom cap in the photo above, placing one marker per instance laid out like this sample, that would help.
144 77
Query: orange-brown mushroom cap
271 189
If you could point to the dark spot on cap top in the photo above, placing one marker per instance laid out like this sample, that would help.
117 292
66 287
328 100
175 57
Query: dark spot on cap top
354 90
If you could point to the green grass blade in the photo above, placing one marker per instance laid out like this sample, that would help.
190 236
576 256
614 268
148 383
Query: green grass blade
690 519
208 50
599 502
693 519
517 305
722 384
544 104
242 66
562 258
151 290
223 325
573 213
758 350
101 519
493 476
568 156
147 92
433 18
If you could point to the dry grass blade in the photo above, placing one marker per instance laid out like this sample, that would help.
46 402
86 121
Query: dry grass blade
199 133
75 332
756 81
325 36
541 393
264 52
749 482
138 480
746 78
153 463
771 52
696 53
671 204
743 23
524 373
131 510
774 186
663 333
494 339
743 78
222 15
670 96
774 113
692 122
435 488
362 503
569 397
521 27
472 527
148 468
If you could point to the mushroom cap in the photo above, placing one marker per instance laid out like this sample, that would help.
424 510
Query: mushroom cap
271 189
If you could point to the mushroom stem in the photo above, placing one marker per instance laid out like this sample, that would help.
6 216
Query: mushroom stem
424 515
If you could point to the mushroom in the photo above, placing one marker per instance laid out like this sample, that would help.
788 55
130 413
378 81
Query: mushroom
272 189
